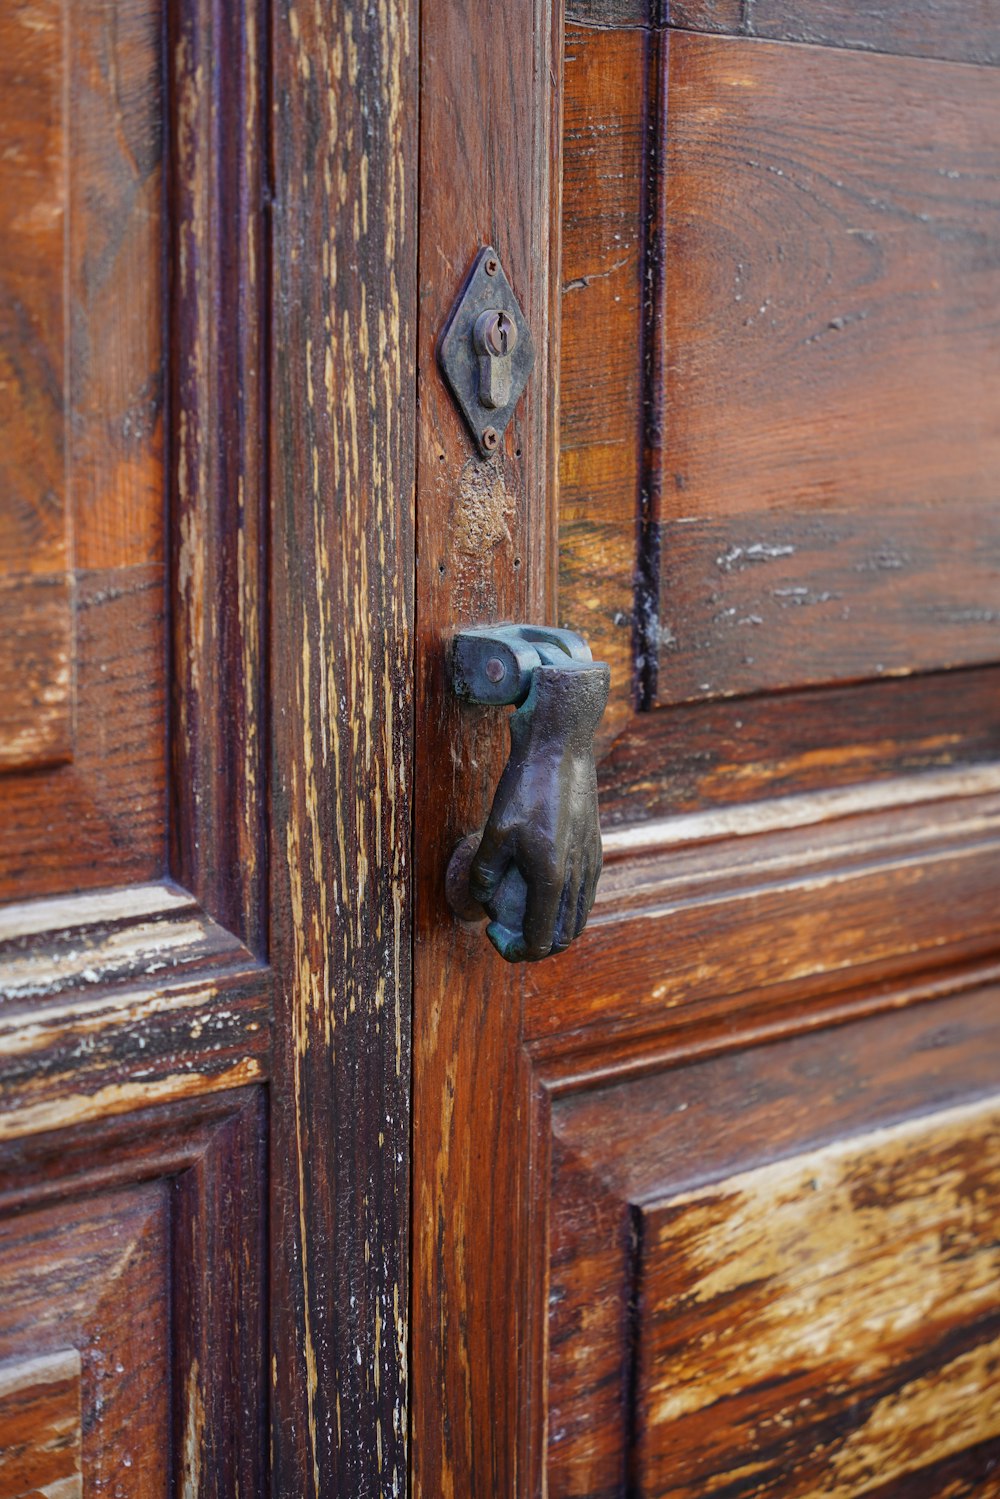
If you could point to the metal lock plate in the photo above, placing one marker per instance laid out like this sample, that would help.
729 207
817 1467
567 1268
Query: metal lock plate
486 351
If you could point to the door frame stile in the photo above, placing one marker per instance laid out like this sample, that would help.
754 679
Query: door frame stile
490 140
343 98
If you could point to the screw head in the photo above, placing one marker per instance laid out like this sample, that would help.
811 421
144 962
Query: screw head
491 265
495 669
490 439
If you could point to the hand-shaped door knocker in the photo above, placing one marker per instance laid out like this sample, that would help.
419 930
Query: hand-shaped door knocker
534 867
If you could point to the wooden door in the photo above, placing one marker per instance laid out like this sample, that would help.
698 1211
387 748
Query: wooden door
204 752
709 1203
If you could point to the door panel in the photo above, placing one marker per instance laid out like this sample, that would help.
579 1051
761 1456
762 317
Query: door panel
83 559
131 1236
204 982
35 608
766 1279
91 1286
660 362
733 1150
831 423
139 1242
40 1426
825 1321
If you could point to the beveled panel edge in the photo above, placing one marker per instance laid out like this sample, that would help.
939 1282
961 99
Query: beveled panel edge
89 943
882 1070
116 1000
36 599
157 1139
210 1155
63 1364
50 915
859 841
218 194
789 918
41 1425
785 812
37 620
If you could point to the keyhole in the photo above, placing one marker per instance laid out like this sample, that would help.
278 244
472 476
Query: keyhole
494 337
497 333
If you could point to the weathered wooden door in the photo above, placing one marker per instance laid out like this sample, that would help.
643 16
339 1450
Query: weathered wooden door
709 1203
205 566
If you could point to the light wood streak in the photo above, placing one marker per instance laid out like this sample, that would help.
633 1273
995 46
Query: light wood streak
799 811
825 1320
41 1430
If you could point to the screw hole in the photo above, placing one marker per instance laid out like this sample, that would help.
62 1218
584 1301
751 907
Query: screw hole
442 569
517 562
517 452
440 458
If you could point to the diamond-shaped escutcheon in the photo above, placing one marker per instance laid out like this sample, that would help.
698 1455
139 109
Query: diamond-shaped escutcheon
486 351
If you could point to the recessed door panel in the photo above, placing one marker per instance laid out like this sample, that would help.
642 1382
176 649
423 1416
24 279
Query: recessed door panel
774 1273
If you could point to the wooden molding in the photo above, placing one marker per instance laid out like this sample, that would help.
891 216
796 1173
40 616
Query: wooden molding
141 1241
623 1158
41 1436
115 1000
784 812
219 734
873 898
343 120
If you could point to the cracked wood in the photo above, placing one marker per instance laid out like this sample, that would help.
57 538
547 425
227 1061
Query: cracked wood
343 371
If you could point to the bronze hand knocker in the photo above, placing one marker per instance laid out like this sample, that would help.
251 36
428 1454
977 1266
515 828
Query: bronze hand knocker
535 866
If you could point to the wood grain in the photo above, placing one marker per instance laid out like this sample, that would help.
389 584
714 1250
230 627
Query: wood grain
96 1155
118 260
95 1279
707 755
826 1321
114 1001
779 932
626 1154
140 1242
601 468
716 751
951 29
219 734
343 353
483 553
33 211
834 372
36 670
41 1427
36 685
877 894
101 818
218 1257
815 598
